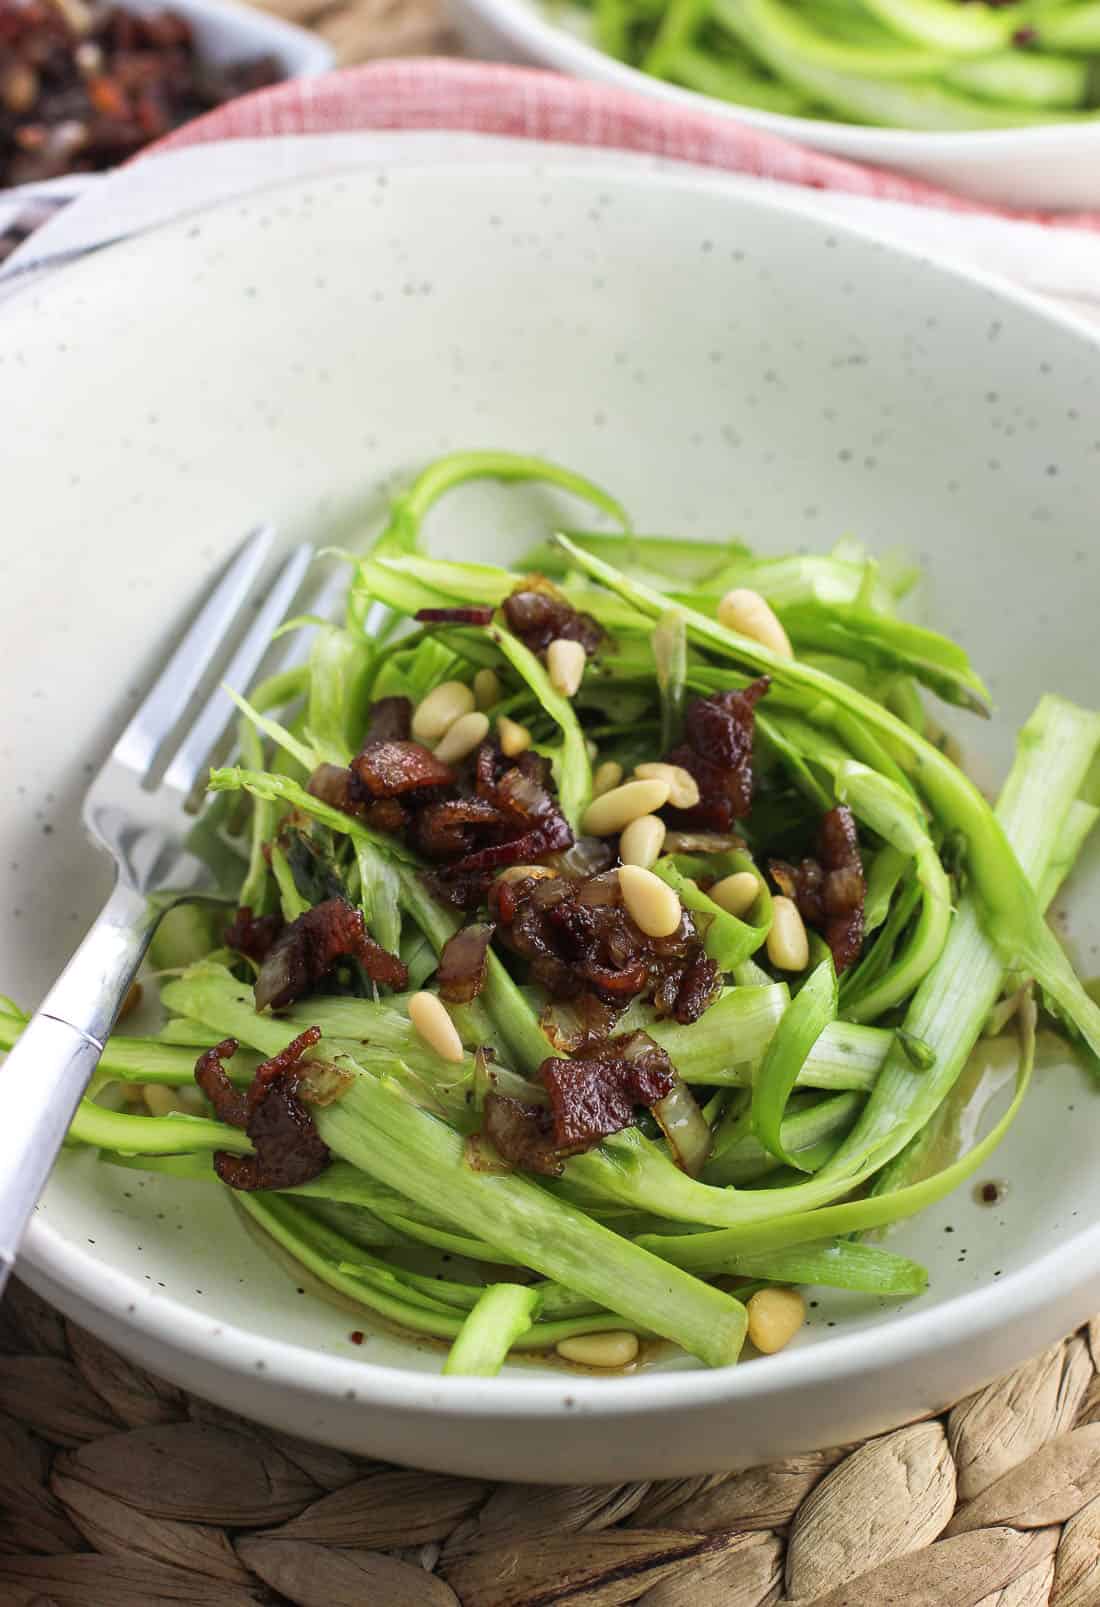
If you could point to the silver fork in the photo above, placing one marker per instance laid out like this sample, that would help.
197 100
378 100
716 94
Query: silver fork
142 823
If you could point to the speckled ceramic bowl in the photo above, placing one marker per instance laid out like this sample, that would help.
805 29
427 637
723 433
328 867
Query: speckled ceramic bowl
725 366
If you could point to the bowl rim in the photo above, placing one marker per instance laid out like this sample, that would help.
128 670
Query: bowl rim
567 51
964 1319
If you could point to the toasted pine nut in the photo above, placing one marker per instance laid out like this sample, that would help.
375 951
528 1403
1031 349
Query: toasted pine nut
649 901
642 841
750 614
514 738
445 704
613 810
133 1093
160 1100
435 1026
486 688
191 1098
736 894
788 945
565 661
615 1349
131 1001
607 775
516 873
683 789
468 732
775 1316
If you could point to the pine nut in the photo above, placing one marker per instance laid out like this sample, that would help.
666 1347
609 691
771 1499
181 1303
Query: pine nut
161 1101
750 614
468 732
613 810
788 945
516 873
514 738
486 688
642 841
613 1349
435 1026
775 1316
131 1001
649 901
607 775
191 1098
683 789
736 894
445 704
565 663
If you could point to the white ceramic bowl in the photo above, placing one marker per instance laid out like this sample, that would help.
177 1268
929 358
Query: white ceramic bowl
226 32
1055 168
724 365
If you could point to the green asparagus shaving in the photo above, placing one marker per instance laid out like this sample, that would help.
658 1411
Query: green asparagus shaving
291 901
805 1020
811 1130
670 657
153 1135
501 1315
832 1263
408 511
699 1251
1008 907
412 1151
264 784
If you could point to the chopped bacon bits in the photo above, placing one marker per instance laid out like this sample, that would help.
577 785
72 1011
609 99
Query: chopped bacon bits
521 1134
538 614
717 750
830 889
597 1092
288 1148
464 963
389 769
309 947
584 948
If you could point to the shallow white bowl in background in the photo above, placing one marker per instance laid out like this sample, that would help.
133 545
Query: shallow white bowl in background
227 33
1055 168
724 365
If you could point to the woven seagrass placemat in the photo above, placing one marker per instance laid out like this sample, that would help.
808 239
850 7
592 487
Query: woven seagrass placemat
117 1490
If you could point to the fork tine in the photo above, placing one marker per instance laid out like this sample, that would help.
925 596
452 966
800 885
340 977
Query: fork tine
184 771
180 679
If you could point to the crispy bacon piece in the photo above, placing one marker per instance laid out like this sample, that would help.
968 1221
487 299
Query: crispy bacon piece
717 751
830 889
389 769
289 1149
521 1134
598 1091
464 962
454 616
538 614
310 946
253 935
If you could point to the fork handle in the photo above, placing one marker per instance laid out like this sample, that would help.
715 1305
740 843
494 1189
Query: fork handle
45 1075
